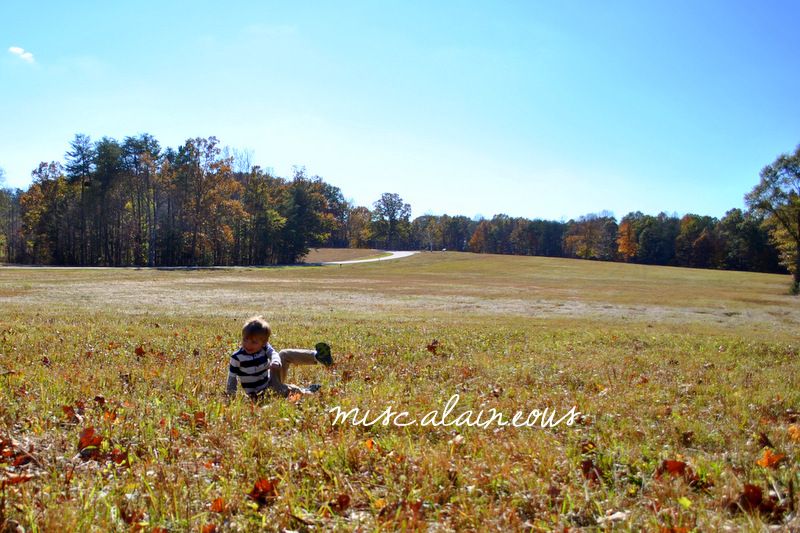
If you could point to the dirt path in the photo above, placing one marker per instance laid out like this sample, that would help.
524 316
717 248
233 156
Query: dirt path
394 255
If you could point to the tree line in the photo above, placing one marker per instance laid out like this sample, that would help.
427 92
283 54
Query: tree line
134 203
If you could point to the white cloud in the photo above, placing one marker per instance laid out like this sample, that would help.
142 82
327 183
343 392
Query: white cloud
21 53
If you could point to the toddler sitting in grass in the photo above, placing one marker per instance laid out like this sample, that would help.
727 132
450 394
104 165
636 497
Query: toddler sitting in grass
259 368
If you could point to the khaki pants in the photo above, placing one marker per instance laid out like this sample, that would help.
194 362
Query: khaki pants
289 357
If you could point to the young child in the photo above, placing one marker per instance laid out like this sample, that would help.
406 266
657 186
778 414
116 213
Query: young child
258 367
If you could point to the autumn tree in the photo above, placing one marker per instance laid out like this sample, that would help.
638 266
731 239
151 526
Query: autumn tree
391 220
43 207
337 211
656 239
426 233
593 236
206 189
479 242
359 227
777 196
627 240
697 244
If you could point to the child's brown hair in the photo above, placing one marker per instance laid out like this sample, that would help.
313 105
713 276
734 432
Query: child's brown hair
256 326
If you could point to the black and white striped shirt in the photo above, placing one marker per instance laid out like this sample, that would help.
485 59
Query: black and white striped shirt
251 370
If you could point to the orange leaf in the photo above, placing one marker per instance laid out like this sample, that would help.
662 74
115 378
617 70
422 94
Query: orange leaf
264 491
294 397
209 528
674 468
794 432
219 506
769 459
14 480
119 457
89 438
70 413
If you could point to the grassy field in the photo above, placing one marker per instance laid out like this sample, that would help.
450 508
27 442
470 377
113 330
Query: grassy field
688 381
325 255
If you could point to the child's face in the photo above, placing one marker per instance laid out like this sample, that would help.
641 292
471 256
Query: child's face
253 343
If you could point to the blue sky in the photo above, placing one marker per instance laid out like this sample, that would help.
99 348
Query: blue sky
535 109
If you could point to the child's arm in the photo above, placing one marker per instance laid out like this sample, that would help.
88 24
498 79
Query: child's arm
233 381
274 358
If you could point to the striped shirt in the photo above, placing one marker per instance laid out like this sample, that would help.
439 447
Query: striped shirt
251 370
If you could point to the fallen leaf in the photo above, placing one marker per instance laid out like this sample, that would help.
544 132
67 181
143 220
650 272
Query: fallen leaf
433 346
340 503
139 351
588 447
15 480
294 397
672 467
89 437
590 470
119 457
794 432
264 491
676 468
72 416
751 497
770 459
131 516
219 506
753 500
89 443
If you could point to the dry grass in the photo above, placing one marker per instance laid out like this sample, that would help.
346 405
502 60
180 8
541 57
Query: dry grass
666 363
